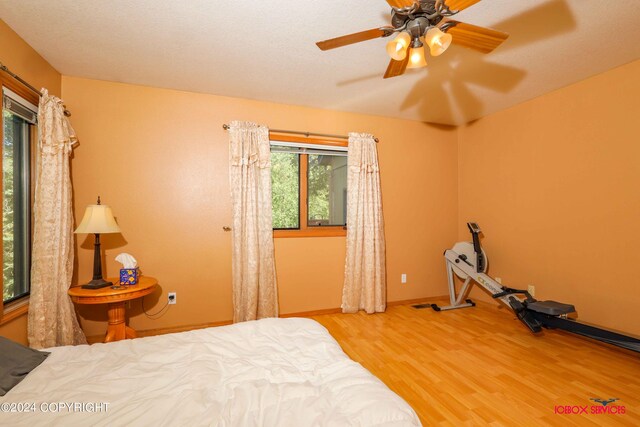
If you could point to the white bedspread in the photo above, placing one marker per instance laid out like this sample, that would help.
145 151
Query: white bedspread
271 372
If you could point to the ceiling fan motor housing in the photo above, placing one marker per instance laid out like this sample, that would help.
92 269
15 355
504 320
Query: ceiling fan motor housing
417 19
418 26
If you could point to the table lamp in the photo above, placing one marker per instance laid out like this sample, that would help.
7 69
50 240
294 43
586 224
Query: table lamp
97 219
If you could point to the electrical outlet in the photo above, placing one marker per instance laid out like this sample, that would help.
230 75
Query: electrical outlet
403 278
172 297
499 280
532 290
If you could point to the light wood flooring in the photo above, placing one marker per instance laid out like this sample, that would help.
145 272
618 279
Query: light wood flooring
481 366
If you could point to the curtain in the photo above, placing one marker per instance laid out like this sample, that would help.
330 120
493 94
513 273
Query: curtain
255 293
365 271
52 320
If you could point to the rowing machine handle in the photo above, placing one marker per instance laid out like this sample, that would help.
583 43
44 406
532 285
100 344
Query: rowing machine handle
474 228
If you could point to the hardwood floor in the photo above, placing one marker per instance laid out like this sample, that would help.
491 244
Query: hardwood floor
481 366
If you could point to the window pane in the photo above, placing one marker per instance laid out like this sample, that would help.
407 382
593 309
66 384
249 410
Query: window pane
285 190
327 190
15 206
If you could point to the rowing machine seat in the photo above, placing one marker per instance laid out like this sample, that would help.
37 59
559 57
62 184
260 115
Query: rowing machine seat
551 308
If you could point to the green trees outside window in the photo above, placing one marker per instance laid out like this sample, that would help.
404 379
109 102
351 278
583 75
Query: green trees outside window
16 218
324 184
285 190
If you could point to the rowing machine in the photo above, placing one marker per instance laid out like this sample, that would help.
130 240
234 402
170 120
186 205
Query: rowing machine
468 261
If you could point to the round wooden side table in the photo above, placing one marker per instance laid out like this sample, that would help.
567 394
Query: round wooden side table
115 298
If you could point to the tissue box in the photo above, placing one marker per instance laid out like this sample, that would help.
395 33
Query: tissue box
128 276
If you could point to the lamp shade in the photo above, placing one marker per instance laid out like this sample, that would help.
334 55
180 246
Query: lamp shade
98 219
437 41
417 58
397 48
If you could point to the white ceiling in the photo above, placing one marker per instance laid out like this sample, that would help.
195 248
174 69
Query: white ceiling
266 50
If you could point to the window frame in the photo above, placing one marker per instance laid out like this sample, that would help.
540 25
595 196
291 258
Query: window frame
20 306
304 229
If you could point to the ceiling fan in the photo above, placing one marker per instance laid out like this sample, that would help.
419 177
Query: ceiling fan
419 23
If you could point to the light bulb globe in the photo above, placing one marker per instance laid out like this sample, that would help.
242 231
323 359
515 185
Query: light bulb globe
417 58
437 41
397 48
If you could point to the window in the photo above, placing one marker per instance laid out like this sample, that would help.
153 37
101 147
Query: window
18 134
285 189
309 187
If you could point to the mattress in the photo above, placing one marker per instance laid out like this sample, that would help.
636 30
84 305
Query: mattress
270 372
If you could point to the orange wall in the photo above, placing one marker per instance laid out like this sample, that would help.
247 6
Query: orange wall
20 58
159 158
554 184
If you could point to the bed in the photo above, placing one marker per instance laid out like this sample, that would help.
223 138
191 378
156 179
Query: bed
270 372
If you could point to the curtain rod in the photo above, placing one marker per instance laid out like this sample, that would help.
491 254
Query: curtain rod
26 84
307 134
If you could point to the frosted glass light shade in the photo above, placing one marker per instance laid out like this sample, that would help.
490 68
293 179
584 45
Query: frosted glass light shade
417 58
437 41
98 219
397 48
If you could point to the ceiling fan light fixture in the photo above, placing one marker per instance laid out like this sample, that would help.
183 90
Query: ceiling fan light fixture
418 25
397 48
437 41
417 58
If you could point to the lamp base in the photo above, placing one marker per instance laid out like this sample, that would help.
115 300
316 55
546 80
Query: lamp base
97 284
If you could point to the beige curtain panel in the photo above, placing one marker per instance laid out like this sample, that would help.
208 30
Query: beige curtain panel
52 320
365 270
255 291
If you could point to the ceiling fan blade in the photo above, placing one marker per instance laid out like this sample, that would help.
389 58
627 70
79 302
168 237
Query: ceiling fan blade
351 39
482 39
460 4
399 4
396 68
